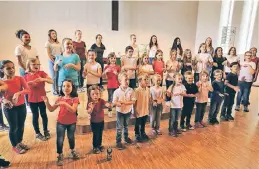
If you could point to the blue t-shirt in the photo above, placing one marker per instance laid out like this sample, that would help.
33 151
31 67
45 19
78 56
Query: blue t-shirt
69 73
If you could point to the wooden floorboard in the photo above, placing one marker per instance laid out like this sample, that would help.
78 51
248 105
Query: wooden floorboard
230 145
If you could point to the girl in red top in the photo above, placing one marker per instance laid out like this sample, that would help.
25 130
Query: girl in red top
158 64
67 117
111 71
14 107
95 107
36 81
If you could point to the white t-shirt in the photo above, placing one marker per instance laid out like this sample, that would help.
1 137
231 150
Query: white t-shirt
25 54
91 79
177 101
55 48
230 60
244 71
152 51
130 62
202 61
156 93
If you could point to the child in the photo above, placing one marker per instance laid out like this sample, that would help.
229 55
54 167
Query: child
95 108
129 64
157 97
188 101
245 80
172 67
217 96
231 87
142 95
176 91
68 103
111 71
146 68
123 98
14 107
36 81
218 62
187 61
92 70
159 65
204 88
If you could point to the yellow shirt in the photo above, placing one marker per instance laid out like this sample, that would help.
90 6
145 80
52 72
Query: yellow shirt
142 96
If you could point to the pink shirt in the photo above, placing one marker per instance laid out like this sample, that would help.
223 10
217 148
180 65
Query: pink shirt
37 89
113 82
15 85
203 94
65 116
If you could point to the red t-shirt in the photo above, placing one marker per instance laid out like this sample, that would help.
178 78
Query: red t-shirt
158 67
97 115
113 82
15 85
65 116
37 89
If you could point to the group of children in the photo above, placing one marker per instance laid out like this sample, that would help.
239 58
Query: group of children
134 88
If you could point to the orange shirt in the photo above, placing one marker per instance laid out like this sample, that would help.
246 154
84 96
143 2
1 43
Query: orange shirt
142 96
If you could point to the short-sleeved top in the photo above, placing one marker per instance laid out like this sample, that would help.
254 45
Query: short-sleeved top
176 101
37 90
15 85
149 68
113 82
123 95
203 65
158 67
152 51
25 53
99 51
170 74
130 62
244 74
202 96
80 49
65 116
69 73
136 51
219 61
256 61
91 79
218 88
233 80
230 60
190 89
97 114
142 96
55 48
156 92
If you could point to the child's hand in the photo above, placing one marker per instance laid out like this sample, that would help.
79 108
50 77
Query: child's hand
154 103
168 93
221 95
7 104
198 84
39 79
45 99
16 97
115 72
91 105
69 65
236 89
58 62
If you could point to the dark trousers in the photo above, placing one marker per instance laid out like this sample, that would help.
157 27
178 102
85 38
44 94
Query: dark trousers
155 118
196 77
228 104
61 130
214 108
140 125
80 77
168 83
200 111
186 112
16 117
132 83
243 94
97 129
122 122
173 119
35 109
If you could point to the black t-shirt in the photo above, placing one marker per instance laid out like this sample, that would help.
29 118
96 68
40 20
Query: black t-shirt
190 89
219 61
99 51
218 88
233 80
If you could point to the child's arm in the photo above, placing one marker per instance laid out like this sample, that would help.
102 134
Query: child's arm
236 88
56 65
72 109
77 66
90 108
49 107
98 74
210 87
25 90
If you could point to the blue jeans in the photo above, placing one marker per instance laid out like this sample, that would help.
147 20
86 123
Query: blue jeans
140 125
214 108
243 94
228 104
173 119
61 130
122 122
54 76
156 112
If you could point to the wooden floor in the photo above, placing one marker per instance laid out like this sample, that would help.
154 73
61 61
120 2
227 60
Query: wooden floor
230 145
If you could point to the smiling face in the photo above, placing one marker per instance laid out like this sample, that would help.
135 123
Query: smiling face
233 52
203 48
67 88
35 66
218 76
189 79
68 45
112 60
154 39
219 52
26 39
173 55
53 35
124 81
178 79
91 56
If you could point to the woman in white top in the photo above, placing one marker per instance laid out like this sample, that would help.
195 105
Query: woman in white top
24 51
152 48
53 49
231 57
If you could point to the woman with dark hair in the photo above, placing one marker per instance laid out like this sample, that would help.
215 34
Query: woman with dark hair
53 48
231 57
218 62
209 47
178 47
99 48
152 48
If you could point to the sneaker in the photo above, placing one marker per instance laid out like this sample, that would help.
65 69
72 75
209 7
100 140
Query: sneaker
210 122
183 129
19 150
215 121
41 137
237 108
23 146
246 109
101 148
203 124
230 117
198 125
74 155
190 127
4 127
138 138
145 136
96 151
1 128
158 132
60 161
4 163
174 134
223 118
179 131
154 132
120 146
128 140
46 134
55 93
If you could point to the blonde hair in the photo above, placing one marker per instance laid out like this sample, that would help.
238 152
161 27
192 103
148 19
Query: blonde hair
185 59
121 75
29 61
110 55
204 72
171 52
142 58
63 41
217 71
187 73
199 50
142 76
